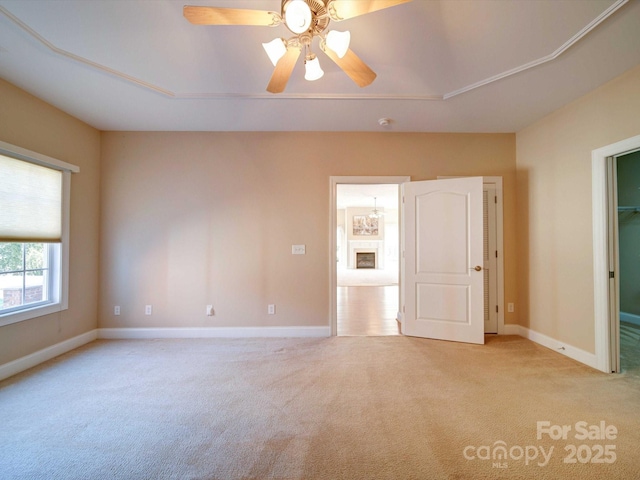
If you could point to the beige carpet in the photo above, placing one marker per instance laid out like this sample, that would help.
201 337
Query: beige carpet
335 408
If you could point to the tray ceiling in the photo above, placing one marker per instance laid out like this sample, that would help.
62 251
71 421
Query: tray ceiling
442 66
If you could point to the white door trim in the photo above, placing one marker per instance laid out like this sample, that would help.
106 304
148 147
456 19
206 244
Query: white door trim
333 183
601 247
497 182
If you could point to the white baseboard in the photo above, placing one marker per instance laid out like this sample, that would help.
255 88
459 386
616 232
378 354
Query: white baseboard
630 318
570 351
36 358
213 332
29 361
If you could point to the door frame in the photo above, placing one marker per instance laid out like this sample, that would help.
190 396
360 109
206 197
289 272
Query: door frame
604 318
334 181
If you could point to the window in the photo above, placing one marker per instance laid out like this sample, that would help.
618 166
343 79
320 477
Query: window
28 275
34 234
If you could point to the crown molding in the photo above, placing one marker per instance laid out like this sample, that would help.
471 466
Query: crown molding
548 58
292 96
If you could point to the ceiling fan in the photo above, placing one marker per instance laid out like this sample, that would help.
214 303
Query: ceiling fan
306 19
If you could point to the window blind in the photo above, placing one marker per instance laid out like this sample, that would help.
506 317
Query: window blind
30 202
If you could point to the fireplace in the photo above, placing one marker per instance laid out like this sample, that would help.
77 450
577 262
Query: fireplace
375 247
365 259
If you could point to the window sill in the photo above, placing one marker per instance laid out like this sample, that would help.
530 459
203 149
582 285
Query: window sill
27 314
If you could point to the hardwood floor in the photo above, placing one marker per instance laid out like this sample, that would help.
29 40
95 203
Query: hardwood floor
368 311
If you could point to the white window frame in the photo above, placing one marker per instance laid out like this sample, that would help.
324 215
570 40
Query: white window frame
60 301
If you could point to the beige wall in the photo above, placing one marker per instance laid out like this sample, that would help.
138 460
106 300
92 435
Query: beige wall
30 123
190 219
555 247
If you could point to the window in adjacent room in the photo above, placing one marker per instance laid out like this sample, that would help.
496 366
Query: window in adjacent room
34 234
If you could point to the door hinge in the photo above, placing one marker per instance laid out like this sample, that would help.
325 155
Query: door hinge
496 308
612 275
496 253
495 199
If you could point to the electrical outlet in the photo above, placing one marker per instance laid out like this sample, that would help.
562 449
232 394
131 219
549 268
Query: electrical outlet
116 310
148 310
511 307
210 311
271 309
298 249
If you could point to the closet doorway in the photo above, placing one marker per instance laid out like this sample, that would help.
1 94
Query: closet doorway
626 169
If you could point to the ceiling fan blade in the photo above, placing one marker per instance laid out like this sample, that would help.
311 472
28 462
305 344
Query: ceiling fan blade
343 9
283 70
229 16
357 70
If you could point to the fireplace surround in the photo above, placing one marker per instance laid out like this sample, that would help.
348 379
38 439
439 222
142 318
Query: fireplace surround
370 246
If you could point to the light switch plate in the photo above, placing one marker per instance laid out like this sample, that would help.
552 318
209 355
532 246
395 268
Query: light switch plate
298 249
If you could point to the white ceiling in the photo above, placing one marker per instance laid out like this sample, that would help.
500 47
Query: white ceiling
443 66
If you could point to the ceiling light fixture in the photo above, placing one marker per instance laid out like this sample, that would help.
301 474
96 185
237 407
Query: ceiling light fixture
376 213
275 49
307 19
338 42
312 69
297 16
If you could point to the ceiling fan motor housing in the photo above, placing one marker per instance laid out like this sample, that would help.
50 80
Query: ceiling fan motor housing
319 15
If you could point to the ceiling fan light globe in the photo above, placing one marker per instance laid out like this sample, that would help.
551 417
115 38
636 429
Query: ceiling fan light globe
297 16
339 42
275 49
312 68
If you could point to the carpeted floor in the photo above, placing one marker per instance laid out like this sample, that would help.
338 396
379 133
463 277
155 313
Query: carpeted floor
331 408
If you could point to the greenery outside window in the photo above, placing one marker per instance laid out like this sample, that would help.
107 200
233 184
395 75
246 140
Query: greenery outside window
34 234
28 275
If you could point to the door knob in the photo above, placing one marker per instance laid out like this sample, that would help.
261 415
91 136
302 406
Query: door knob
477 268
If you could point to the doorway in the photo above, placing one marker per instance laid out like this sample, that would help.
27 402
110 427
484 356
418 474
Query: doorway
493 256
605 252
367 258
625 170
365 273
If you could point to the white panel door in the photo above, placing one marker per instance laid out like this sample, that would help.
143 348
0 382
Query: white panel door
443 258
